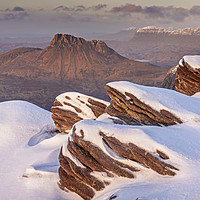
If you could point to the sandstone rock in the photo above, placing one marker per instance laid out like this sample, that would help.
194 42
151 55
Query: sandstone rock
96 151
169 80
185 77
135 112
72 107
81 159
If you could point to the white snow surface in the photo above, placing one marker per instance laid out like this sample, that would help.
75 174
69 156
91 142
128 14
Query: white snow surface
192 60
169 31
184 107
29 153
197 95
78 100
179 142
29 150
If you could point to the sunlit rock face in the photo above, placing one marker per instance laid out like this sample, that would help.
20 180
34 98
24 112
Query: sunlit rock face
185 77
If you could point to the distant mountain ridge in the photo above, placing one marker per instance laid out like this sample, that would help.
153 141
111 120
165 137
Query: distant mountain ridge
157 30
163 47
69 63
68 57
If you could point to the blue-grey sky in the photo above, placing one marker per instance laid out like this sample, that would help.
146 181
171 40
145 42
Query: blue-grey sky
91 16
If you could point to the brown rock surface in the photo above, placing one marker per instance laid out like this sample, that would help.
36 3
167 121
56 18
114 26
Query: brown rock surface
80 177
183 78
72 107
136 112
68 57
68 63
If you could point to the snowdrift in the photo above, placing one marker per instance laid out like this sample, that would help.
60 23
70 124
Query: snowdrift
148 141
144 145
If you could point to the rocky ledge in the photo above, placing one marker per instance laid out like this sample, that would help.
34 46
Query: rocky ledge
116 144
185 77
133 111
71 107
87 165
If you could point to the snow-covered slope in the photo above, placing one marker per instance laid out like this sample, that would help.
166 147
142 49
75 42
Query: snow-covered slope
28 152
104 140
158 30
179 142
29 149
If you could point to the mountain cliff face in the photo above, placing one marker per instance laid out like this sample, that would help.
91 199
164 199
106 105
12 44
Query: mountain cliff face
68 57
71 64
163 47
185 77
161 33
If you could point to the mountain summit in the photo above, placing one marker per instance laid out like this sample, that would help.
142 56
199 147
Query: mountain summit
73 58
69 63
66 40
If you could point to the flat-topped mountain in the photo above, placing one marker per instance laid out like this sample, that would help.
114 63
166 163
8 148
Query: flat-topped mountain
170 32
169 36
163 47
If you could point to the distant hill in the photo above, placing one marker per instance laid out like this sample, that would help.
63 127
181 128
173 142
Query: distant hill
74 64
163 47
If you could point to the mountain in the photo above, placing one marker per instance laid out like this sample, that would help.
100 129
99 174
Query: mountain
71 63
68 57
158 33
185 77
163 47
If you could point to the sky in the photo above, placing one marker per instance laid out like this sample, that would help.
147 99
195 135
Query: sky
90 16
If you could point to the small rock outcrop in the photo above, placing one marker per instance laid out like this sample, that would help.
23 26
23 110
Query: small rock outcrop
94 167
115 144
133 111
71 107
184 78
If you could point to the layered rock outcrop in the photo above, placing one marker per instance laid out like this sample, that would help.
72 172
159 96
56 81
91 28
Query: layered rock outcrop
116 143
71 107
96 166
133 111
185 77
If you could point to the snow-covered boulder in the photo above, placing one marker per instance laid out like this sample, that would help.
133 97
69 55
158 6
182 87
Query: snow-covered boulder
72 107
98 152
139 105
185 77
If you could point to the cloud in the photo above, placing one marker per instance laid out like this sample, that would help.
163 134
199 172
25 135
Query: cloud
17 13
79 8
18 9
99 7
62 8
12 16
128 8
158 12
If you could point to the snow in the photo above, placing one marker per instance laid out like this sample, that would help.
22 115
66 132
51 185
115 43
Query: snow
179 142
29 153
78 100
142 60
182 106
29 150
193 61
197 95
169 31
